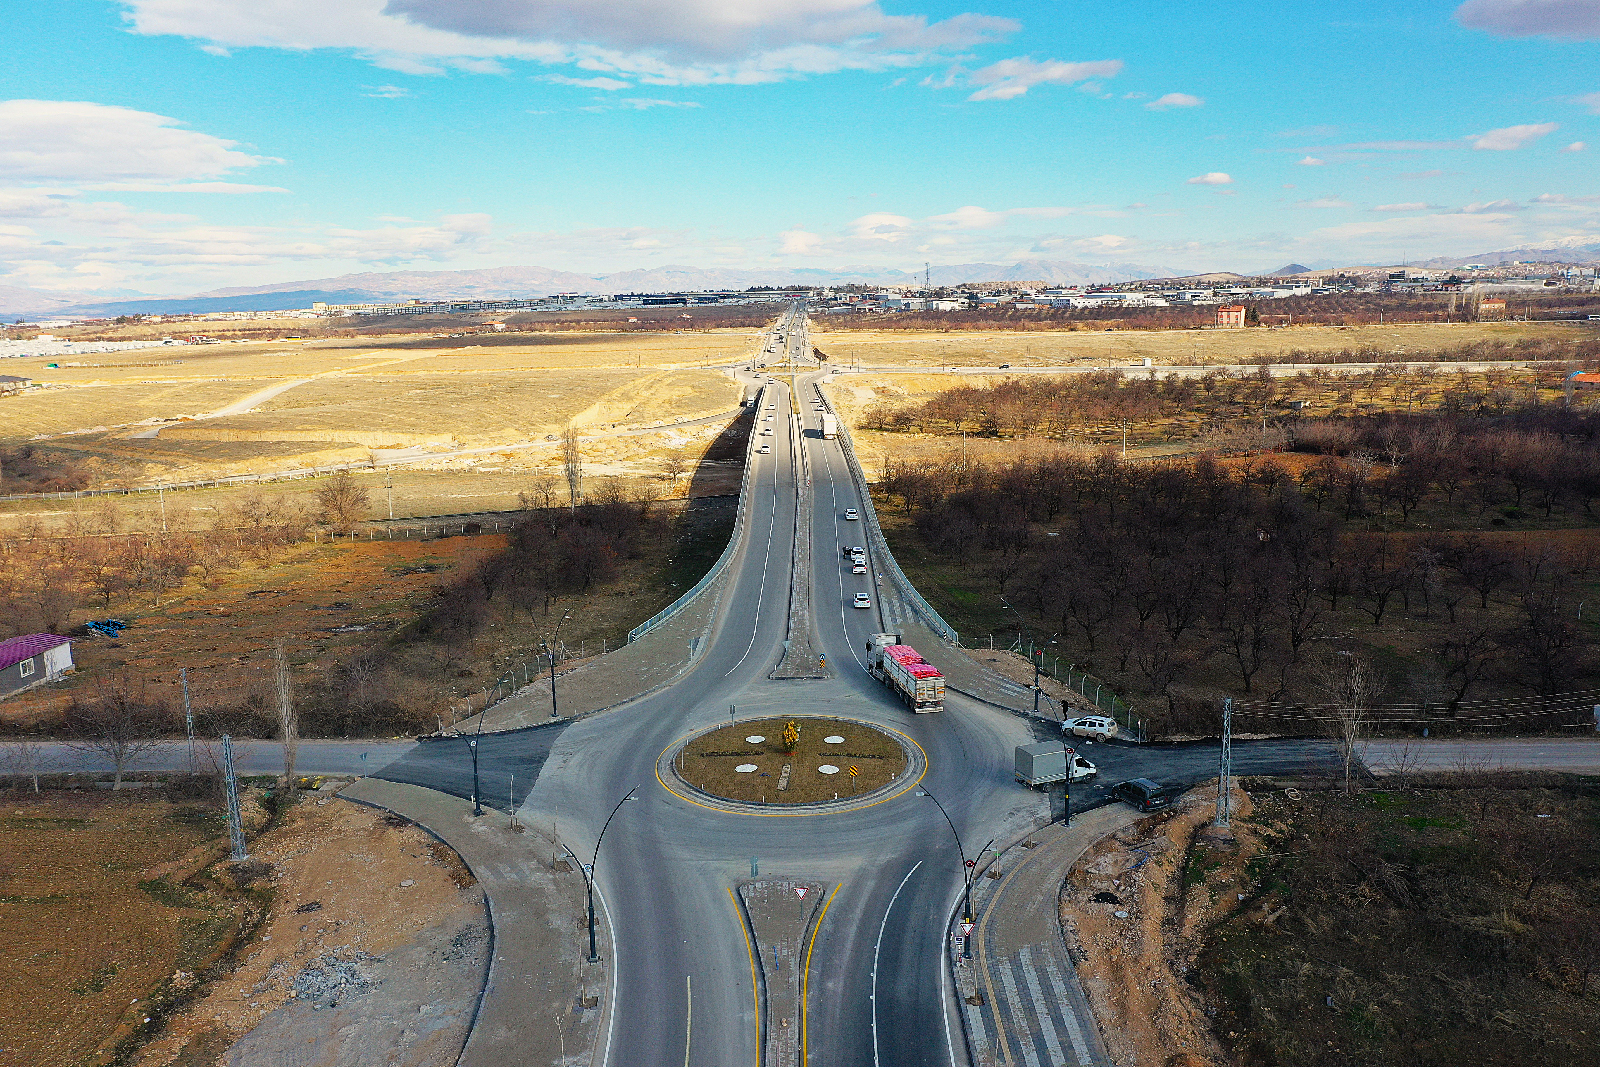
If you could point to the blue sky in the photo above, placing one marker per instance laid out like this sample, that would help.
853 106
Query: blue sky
174 146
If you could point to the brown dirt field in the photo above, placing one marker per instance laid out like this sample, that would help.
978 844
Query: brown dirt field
1135 967
82 942
709 761
378 883
225 636
1163 347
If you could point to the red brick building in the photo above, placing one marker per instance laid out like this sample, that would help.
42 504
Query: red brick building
1230 315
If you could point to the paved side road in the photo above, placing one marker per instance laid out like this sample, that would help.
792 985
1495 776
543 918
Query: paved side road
250 757
1578 755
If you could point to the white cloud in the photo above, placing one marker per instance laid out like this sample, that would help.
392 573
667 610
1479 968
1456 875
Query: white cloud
672 42
181 187
1513 137
638 103
1013 77
1311 161
75 141
799 242
1324 202
1590 101
880 226
1575 146
387 92
968 218
1174 100
1576 20
1406 207
1216 177
608 84
1559 198
1491 207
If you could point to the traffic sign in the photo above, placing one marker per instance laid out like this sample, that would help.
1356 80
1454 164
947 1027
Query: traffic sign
972 863
854 771
966 928
800 891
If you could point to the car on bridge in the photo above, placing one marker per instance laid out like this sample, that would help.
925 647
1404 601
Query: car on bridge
851 514
764 450
863 600
858 568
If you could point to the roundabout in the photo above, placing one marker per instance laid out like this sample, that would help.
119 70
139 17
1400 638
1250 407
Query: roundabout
795 765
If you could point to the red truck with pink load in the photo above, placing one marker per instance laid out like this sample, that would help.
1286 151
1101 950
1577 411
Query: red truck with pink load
906 673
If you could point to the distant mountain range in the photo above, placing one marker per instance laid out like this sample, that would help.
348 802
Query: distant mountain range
510 283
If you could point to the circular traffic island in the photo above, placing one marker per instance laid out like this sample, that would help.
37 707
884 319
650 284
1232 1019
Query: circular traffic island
756 762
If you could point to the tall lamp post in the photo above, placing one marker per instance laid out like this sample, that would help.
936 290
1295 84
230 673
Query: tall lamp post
588 875
472 744
966 869
551 646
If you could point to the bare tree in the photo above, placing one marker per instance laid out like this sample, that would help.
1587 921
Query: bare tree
572 463
1352 686
674 464
25 759
288 717
541 487
118 722
341 502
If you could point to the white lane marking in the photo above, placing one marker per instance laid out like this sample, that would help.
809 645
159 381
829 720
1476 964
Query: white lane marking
879 948
766 562
1008 982
611 934
944 997
1041 1007
688 1019
833 487
1069 1012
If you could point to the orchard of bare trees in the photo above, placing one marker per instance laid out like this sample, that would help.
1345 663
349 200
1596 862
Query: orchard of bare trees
1185 581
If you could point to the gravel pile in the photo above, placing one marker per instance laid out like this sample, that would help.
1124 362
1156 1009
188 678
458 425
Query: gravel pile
334 976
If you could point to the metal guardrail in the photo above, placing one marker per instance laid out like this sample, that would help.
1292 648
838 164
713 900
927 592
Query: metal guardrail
727 553
880 544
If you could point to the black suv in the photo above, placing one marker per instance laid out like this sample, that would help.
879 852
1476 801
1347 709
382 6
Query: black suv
1142 793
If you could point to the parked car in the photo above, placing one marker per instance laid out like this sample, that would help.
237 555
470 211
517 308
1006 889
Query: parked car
863 600
1099 727
851 513
1142 793
858 568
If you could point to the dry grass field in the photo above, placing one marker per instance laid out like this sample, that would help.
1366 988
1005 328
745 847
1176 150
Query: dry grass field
247 408
1162 347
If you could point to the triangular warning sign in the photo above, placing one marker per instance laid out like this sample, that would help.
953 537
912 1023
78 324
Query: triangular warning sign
800 891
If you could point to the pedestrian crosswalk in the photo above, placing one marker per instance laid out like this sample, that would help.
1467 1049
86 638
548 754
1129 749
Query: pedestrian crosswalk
1038 1016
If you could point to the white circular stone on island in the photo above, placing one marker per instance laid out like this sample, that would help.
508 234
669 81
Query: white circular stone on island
835 739
755 739
745 768
828 768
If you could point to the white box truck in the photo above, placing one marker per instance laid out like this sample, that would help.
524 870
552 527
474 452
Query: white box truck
830 426
1044 762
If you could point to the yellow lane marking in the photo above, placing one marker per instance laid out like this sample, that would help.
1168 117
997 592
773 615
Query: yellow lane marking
755 985
805 983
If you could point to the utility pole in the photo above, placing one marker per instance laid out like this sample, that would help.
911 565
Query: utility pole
966 867
594 955
188 715
1225 771
235 823
388 486
161 495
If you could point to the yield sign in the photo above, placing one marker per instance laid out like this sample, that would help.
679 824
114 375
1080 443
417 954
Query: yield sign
966 928
800 891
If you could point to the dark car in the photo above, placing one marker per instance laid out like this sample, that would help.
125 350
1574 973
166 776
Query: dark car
1142 793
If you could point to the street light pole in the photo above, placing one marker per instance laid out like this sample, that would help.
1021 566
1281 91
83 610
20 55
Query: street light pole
967 871
588 877
552 647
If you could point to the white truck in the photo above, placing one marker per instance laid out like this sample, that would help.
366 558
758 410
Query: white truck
901 668
1045 762
830 426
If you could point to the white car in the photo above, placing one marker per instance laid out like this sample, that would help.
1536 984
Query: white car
859 568
1098 726
863 600
772 407
766 431
850 513
764 450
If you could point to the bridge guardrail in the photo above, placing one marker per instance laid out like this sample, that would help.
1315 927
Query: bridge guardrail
880 544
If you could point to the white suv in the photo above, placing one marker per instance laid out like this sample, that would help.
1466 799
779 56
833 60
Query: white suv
1097 726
